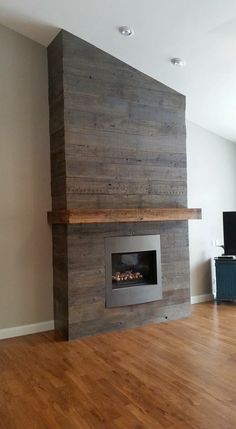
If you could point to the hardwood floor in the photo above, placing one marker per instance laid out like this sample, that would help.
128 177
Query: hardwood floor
178 375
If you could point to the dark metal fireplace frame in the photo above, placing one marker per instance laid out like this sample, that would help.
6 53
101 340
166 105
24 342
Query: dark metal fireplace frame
117 297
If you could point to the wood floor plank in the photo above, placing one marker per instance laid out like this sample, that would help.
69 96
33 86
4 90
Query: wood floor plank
175 375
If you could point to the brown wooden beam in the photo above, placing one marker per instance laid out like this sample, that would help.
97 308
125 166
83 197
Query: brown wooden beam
122 215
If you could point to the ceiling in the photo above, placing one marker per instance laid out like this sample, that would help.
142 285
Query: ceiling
203 32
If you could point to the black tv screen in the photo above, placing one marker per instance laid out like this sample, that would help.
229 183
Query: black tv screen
229 225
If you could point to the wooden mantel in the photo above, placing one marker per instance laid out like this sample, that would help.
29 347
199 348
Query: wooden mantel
83 216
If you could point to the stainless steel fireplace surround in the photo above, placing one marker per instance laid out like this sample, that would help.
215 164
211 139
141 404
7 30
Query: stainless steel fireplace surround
133 270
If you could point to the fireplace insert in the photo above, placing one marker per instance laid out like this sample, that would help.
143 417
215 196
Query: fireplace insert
133 270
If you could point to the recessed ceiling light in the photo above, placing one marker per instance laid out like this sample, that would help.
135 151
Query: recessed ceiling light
178 62
126 31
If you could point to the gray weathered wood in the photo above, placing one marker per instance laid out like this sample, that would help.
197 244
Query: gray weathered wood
118 140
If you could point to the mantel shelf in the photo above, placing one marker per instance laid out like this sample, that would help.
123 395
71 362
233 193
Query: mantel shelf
83 216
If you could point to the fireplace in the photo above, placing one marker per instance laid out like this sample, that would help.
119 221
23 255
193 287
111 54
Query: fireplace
119 178
133 270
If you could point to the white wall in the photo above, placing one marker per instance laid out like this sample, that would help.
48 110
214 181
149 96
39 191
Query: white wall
25 237
211 186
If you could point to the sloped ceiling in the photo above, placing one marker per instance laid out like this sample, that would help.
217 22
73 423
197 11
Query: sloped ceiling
203 32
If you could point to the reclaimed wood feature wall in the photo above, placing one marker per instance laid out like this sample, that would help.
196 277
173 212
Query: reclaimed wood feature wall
117 142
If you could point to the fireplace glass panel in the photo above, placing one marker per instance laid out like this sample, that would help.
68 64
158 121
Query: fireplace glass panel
134 269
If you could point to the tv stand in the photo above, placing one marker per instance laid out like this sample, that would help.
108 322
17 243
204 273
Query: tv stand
225 279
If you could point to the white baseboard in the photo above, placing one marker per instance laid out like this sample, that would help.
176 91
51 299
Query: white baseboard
201 298
18 331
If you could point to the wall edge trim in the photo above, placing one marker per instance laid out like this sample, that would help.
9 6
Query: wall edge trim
196 299
34 328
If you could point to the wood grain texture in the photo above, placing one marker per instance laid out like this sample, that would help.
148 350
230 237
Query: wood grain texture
122 215
88 314
56 120
118 155
60 279
175 375
124 132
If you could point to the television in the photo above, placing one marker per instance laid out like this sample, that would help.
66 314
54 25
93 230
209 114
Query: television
229 227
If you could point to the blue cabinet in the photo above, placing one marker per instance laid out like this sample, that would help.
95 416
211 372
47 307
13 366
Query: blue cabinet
225 280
